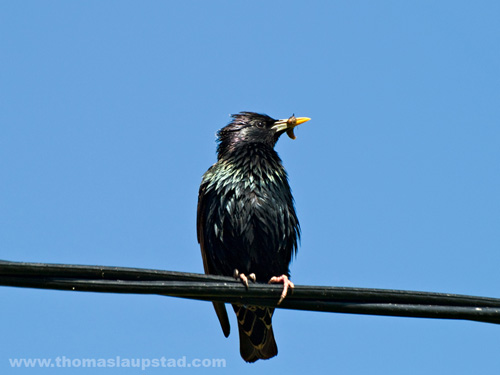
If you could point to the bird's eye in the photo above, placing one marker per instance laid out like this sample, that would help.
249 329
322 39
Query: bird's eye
261 124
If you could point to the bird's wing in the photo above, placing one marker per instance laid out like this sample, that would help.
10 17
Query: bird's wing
200 226
219 307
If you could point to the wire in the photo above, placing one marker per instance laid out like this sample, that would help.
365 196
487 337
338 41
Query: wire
226 289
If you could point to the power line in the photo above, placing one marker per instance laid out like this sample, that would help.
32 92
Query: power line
226 289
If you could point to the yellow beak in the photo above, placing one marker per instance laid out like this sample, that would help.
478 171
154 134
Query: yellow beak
289 124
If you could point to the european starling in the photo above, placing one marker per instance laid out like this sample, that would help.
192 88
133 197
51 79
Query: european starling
247 226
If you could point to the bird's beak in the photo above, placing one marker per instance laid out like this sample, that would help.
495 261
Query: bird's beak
289 124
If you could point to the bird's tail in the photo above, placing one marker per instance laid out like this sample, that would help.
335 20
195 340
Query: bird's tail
256 332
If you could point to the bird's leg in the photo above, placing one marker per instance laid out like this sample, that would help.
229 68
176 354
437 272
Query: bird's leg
243 277
286 284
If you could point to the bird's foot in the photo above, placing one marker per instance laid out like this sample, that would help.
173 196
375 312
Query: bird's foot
286 284
244 278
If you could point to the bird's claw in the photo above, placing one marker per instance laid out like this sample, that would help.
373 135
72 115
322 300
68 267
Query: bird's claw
286 284
244 279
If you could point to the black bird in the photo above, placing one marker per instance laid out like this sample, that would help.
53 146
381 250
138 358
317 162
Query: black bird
247 226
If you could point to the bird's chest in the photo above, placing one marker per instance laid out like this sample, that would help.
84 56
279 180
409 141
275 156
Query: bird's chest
250 190
248 199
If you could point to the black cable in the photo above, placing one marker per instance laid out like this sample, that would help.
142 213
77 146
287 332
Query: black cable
226 289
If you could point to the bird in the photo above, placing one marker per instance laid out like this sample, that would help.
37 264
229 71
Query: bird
247 226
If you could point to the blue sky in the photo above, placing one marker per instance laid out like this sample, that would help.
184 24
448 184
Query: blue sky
108 121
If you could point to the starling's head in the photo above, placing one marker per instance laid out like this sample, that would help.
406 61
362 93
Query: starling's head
254 127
